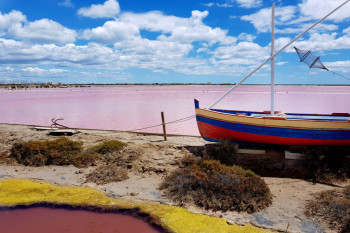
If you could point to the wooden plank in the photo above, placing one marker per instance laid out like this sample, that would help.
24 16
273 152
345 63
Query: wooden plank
251 151
44 128
291 155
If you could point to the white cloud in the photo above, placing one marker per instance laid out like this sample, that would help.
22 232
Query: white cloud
347 31
342 66
185 30
262 19
281 63
297 30
39 72
247 53
109 9
209 4
139 53
318 9
199 15
324 42
152 54
12 18
111 32
249 3
43 31
32 70
180 44
246 37
241 3
199 32
143 46
154 21
66 3
70 55
225 5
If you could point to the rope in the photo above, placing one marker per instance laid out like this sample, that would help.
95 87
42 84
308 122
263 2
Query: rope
153 126
340 75
167 123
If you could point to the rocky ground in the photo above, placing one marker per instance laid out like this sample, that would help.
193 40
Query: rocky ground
150 159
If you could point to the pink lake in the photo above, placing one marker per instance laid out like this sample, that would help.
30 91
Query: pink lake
136 106
58 220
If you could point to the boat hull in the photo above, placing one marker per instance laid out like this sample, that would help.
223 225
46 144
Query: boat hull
238 126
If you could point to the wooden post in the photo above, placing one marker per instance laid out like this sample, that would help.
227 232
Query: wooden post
164 130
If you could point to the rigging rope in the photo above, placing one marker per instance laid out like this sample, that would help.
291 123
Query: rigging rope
313 61
339 75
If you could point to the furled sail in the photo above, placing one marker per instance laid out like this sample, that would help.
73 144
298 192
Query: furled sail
311 60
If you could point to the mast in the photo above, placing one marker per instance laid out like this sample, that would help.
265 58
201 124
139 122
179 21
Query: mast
279 51
273 61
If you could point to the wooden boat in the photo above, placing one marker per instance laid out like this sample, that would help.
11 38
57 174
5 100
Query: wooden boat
280 129
271 127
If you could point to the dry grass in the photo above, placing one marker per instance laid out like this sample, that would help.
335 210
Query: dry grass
106 174
224 151
214 186
319 164
331 207
62 151
325 165
107 147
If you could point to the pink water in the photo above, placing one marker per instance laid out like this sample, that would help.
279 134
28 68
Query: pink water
48 220
134 107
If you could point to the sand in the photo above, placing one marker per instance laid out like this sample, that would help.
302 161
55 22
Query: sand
154 158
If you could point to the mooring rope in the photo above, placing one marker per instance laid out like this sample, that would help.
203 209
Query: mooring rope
152 126
166 123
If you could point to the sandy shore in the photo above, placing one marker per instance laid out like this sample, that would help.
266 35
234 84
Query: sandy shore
155 159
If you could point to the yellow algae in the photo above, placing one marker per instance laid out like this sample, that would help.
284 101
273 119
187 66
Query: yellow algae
174 219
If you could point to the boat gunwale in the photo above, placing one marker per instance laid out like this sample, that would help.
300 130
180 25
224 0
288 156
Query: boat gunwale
282 117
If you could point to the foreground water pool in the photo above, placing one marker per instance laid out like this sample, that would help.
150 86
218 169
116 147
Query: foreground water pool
58 220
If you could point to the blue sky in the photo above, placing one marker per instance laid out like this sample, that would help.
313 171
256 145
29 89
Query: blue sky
139 41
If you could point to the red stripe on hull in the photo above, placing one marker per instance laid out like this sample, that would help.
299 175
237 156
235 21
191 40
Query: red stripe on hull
216 133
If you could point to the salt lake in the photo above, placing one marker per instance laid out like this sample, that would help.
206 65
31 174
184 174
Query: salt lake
130 107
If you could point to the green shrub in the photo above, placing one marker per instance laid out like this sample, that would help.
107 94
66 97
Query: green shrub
331 207
107 147
61 151
211 185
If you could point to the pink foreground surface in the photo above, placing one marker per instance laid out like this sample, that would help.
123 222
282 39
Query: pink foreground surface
44 220
133 107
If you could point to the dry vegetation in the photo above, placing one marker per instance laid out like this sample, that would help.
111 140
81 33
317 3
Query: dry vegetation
326 165
224 151
107 173
212 185
107 147
331 208
61 151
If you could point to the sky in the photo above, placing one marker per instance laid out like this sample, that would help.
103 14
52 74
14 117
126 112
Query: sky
182 41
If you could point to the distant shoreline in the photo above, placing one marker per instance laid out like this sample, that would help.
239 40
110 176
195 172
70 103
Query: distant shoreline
62 85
